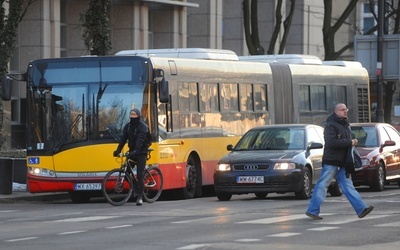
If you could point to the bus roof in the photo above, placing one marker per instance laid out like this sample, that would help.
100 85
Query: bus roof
350 64
193 53
283 58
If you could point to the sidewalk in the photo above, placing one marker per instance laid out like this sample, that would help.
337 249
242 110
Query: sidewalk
19 193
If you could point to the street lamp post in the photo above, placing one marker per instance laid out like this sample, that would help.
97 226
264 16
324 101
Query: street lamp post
379 73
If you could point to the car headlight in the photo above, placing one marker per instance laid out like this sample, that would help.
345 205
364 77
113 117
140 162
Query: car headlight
365 162
223 167
284 166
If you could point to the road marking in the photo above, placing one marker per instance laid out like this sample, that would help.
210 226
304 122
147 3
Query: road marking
247 240
322 228
120 226
21 239
276 219
8 211
194 246
352 219
283 234
90 218
72 232
392 224
194 220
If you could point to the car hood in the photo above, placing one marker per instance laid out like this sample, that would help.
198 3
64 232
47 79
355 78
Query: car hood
260 156
365 151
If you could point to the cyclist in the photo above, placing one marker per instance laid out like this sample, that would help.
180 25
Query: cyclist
135 133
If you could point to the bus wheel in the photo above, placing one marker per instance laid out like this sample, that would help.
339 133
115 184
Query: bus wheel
191 178
80 197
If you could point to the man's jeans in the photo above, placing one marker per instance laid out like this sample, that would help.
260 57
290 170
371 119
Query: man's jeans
321 187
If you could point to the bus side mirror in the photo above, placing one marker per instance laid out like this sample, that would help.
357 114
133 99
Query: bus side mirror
164 91
6 88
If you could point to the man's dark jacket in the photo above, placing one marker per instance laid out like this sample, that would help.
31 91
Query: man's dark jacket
136 136
337 135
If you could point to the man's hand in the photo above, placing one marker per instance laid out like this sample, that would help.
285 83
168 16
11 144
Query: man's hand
116 153
354 142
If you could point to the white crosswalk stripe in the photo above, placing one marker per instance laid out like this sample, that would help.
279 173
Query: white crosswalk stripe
277 219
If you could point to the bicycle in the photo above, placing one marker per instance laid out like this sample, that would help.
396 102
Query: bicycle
118 184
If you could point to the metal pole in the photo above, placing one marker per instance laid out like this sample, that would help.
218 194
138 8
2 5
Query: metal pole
379 73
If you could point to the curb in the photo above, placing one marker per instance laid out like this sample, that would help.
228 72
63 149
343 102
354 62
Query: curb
25 196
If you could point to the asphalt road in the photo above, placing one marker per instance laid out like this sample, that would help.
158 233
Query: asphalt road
277 222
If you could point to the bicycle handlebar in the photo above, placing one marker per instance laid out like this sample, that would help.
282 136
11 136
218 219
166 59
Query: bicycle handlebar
120 155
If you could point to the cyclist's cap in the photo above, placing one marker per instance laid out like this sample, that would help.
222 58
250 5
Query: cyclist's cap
136 111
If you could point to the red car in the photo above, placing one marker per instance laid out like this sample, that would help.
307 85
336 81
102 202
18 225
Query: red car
379 148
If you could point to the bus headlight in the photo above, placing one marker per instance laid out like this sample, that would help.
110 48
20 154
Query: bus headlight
223 167
284 166
41 172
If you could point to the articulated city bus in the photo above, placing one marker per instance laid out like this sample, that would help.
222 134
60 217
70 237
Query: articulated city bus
194 107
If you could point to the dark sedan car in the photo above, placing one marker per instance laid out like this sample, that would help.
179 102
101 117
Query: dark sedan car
379 148
273 159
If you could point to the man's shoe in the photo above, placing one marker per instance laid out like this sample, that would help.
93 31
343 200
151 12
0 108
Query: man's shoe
139 201
314 217
366 211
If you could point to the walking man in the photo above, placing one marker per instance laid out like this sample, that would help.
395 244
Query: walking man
338 140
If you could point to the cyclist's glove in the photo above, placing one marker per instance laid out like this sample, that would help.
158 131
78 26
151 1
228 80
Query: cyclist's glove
116 153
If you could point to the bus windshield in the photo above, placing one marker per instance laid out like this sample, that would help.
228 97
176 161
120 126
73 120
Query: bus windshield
86 99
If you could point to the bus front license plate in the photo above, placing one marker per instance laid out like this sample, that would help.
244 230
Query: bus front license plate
87 186
250 179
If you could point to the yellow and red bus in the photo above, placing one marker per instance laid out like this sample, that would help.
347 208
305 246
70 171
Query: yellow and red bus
195 101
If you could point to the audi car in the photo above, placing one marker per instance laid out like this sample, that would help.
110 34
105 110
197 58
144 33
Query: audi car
379 148
273 159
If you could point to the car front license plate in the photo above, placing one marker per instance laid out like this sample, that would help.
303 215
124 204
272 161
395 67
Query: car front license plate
250 179
87 186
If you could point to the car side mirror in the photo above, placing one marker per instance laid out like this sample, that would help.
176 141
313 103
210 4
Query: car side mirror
385 144
315 145
389 143
229 147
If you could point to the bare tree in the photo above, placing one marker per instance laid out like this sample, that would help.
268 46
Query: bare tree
329 30
251 27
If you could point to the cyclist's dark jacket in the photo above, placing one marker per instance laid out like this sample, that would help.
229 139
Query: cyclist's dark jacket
337 135
135 134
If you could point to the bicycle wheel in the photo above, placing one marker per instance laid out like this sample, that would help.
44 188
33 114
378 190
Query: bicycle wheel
117 187
153 184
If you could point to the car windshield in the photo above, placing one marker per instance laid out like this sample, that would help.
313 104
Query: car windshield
366 136
272 139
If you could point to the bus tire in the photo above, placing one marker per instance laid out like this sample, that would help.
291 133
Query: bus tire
192 178
80 197
224 196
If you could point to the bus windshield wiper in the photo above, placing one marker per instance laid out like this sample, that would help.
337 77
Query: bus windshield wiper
73 126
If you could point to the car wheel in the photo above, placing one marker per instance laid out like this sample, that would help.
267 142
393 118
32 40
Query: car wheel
335 189
305 191
224 197
379 182
261 195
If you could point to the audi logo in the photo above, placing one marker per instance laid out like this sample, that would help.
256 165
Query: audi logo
250 167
